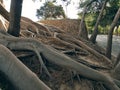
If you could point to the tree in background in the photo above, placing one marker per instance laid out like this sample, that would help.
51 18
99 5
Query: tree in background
92 6
96 12
50 10
95 32
110 34
82 30
110 11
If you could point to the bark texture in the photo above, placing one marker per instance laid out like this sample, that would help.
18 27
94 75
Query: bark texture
15 16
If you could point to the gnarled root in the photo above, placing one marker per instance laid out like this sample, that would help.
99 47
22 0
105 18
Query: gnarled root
73 40
14 43
58 58
20 76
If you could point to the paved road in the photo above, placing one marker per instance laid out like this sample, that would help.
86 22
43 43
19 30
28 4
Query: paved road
102 41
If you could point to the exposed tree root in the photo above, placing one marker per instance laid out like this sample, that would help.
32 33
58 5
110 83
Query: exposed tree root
54 42
58 58
81 44
50 54
21 77
34 27
23 46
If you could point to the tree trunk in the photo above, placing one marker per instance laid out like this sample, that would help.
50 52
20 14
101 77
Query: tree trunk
19 75
82 28
110 36
95 32
15 16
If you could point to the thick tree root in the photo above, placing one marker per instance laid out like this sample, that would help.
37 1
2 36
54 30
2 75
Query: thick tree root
23 46
20 76
58 58
73 40
51 55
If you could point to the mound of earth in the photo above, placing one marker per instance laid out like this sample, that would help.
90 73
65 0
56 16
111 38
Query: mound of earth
68 25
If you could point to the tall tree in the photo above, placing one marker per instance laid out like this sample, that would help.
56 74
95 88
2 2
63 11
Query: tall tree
50 10
110 34
82 30
95 32
15 16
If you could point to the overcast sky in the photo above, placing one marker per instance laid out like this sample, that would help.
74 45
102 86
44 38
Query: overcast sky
29 8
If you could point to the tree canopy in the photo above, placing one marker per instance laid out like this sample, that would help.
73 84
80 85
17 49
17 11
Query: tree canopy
50 10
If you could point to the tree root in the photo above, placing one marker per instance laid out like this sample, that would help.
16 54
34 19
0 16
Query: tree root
51 55
73 40
56 42
19 75
13 44
58 58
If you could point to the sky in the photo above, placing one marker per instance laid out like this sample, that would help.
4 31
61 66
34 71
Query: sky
29 8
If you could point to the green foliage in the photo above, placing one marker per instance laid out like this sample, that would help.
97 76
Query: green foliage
50 10
93 5
90 21
108 14
111 10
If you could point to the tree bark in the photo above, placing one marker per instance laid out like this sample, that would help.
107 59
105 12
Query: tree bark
110 34
95 32
15 16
